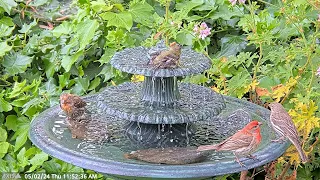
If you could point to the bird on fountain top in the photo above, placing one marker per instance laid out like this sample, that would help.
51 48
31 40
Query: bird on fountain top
166 59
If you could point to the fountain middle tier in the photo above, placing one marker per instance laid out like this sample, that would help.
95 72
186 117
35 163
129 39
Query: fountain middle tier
196 103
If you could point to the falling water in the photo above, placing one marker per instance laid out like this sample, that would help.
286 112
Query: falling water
159 132
153 90
187 134
140 132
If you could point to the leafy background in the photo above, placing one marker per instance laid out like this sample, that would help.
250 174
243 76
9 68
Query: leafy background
262 51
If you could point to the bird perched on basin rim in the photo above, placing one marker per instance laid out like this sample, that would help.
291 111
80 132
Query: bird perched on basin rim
242 143
282 123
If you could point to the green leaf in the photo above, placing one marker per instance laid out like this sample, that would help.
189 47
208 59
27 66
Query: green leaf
11 122
16 63
142 13
17 88
3 135
107 71
21 134
51 166
4 105
100 5
85 31
26 27
22 159
64 79
231 45
37 161
184 38
63 28
188 5
5 30
68 61
3 148
94 83
122 19
21 101
82 85
108 54
237 84
6 21
225 13
7 5
21 139
4 48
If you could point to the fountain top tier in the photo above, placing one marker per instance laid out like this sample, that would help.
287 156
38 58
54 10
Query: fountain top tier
135 61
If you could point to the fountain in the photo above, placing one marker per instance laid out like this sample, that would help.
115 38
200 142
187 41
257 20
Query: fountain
158 113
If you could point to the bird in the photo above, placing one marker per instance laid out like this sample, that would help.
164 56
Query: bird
169 155
242 143
282 123
80 121
72 105
168 58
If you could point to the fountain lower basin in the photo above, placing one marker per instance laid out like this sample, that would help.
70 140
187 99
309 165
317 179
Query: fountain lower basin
49 133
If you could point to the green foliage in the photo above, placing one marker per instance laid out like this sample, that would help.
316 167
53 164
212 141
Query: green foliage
262 51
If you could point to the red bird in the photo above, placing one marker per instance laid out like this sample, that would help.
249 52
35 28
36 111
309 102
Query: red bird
244 142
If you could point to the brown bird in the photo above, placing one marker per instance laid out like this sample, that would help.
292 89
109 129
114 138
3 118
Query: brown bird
282 123
243 142
170 155
72 105
80 121
167 59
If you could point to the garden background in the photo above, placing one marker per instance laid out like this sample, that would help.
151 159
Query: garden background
261 51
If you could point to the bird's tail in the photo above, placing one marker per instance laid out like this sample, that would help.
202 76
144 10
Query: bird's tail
303 156
207 147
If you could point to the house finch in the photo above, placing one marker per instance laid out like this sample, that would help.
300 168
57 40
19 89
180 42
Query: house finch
72 105
80 121
167 59
170 155
243 142
283 125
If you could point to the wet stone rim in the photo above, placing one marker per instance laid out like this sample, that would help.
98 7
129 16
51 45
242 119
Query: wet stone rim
135 61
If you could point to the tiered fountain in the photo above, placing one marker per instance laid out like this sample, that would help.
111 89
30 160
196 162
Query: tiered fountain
160 112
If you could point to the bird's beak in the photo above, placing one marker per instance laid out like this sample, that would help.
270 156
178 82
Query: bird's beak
260 123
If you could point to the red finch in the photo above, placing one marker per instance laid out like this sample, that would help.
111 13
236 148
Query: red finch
167 59
283 125
243 142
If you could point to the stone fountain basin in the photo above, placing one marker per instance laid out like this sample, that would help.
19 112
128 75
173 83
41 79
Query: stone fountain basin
47 132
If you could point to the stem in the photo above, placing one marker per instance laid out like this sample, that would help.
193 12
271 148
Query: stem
258 63
167 20
243 175
283 173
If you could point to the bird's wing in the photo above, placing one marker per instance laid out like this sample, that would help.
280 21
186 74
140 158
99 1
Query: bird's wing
285 123
238 140
79 103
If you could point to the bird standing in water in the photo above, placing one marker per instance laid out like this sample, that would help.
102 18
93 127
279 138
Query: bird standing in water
243 142
167 59
282 123
80 121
